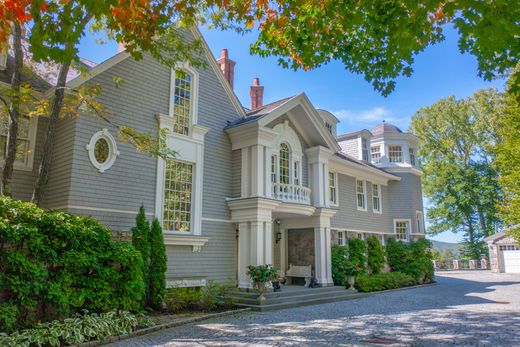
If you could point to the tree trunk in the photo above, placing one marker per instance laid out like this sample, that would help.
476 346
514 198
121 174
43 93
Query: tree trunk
14 111
48 146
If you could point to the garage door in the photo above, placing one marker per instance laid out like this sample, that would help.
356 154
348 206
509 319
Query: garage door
512 261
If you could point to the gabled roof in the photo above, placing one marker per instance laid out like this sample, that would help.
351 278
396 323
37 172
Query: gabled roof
501 235
352 134
266 109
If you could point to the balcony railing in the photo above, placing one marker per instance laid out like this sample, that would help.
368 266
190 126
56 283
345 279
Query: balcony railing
292 193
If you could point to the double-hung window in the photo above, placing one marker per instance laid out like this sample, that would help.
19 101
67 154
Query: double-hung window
342 239
361 195
24 142
376 154
420 221
333 188
182 102
284 163
178 187
412 156
364 149
395 154
376 198
402 228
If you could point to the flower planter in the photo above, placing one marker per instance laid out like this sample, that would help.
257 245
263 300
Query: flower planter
351 280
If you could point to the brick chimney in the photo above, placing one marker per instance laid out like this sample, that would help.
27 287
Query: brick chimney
257 94
120 47
227 66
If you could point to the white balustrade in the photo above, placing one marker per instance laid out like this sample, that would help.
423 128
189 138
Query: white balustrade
292 193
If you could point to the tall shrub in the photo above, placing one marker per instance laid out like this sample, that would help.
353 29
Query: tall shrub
53 264
357 254
158 266
375 255
141 242
340 264
412 258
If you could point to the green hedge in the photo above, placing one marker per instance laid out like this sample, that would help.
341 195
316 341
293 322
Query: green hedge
414 259
383 281
53 264
357 254
375 255
339 259
208 298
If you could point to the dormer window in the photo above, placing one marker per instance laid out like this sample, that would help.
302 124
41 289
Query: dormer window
376 154
329 127
395 154
412 156
364 149
182 102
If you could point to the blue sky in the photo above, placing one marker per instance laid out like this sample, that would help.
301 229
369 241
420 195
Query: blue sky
439 71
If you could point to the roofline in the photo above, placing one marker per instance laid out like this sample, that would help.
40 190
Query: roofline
370 169
353 134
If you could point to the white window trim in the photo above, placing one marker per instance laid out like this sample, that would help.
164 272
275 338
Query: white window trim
420 222
194 96
364 193
28 166
343 237
407 239
360 148
288 136
380 211
402 154
113 153
412 151
336 186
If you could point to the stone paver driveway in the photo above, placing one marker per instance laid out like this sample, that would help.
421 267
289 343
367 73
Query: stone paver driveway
464 309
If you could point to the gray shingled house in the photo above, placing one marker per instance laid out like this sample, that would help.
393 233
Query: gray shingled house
270 184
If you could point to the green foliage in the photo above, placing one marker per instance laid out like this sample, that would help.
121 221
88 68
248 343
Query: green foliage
53 264
261 274
375 255
208 298
383 281
141 242
475 250
78 329
357 255
412 258
456 157
340 263
158 266
508 155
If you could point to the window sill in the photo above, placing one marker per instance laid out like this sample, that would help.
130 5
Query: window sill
362 209
195 241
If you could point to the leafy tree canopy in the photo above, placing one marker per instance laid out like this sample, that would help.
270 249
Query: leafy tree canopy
377 38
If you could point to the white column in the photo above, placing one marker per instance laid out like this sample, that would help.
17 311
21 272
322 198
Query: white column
245 177
326 184
322 256
244 255
267 176
257 170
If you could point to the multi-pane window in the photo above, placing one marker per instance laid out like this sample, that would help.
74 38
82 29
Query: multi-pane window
284 163
395 154
376 154
178 186
420 223
22 141
412 156
333 188
376 197
273 168
329 127
342 240
361 195
182 102
401 230
364 149
297 173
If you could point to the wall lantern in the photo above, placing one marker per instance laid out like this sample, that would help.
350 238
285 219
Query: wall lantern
278 233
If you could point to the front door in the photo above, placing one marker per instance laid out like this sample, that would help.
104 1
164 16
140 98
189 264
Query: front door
300 247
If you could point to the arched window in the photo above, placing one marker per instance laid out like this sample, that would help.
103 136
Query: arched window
284 163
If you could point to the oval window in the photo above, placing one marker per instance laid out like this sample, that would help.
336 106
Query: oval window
102 150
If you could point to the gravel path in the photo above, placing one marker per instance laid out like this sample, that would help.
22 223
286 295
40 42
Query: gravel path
464 309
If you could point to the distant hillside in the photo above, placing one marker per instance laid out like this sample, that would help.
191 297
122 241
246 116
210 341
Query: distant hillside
441 246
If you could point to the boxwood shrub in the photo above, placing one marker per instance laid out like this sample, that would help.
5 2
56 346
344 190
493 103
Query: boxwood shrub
53 264
383 281
375 255
339 259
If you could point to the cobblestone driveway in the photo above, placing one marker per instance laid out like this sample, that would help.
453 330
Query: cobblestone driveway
463 309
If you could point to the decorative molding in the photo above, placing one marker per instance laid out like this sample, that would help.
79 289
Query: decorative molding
100 209
197 242
205 219
187 282
252 209
113 153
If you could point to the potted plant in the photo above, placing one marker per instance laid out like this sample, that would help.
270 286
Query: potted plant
262 277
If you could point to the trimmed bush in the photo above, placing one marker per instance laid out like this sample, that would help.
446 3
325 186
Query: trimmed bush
340 264
375 255
141 242
208 298
158 266
383 281
357 254
80 329
413 259
53 264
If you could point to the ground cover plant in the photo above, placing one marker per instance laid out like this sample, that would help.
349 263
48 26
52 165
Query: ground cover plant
212 297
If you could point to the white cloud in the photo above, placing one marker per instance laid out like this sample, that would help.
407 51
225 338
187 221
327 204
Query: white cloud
369 115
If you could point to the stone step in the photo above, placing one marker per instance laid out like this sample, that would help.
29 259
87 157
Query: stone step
294 296
291 292
265 306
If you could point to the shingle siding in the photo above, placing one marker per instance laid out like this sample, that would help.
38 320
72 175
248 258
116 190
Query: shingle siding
350 147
